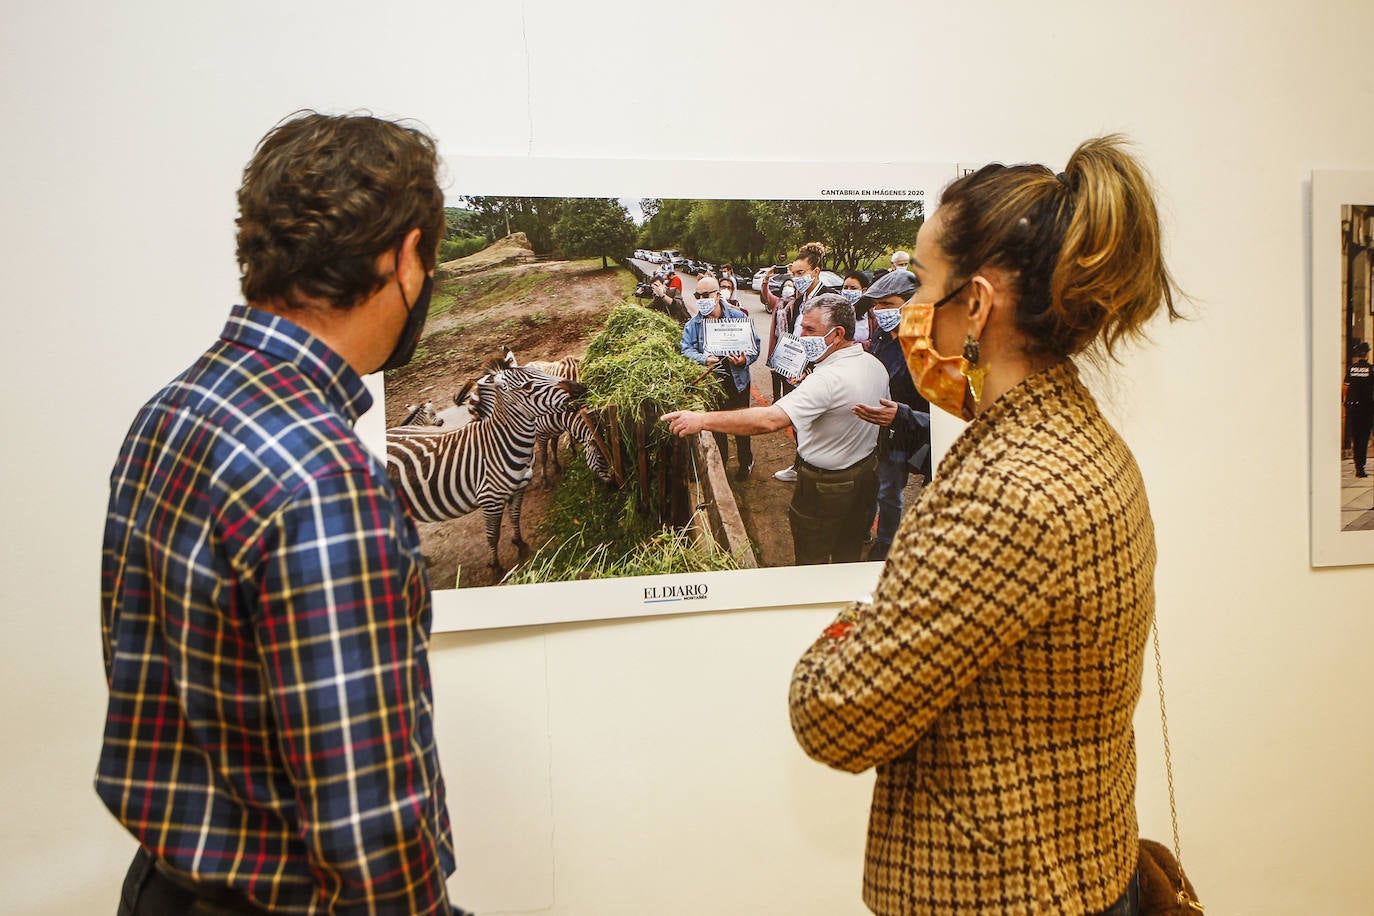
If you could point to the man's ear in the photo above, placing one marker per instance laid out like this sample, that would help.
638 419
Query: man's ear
410 251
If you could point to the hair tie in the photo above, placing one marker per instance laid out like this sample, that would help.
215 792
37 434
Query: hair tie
1064 180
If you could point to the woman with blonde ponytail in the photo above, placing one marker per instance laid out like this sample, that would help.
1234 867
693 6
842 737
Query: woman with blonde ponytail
993 678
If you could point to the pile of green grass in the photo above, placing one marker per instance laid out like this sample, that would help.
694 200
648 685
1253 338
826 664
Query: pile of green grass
590 530
669 552
635 364
594 532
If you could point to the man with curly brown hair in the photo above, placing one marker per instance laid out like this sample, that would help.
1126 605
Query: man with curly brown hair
265 608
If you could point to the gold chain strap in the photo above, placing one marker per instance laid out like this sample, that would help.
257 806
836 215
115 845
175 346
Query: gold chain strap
1183 897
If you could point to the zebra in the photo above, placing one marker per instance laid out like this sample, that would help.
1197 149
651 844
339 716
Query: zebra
422 415
546 446
566 368
485 464
477 395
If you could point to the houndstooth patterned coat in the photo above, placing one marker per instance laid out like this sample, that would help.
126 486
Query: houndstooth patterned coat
993 680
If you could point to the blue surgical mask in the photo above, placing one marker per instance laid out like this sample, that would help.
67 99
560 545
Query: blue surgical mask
816 346
888 319
851 295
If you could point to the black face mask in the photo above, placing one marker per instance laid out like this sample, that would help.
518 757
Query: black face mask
415 323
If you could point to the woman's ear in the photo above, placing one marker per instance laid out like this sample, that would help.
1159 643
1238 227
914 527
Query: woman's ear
980 306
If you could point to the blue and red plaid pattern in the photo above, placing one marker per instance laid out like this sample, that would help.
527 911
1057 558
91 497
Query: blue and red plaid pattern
266 616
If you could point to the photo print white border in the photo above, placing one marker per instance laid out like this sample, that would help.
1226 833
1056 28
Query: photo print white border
644 596
1330 546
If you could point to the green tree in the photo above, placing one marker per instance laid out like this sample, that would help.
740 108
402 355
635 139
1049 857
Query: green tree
497 217
667 228
594 226
856 232
725 230
460 223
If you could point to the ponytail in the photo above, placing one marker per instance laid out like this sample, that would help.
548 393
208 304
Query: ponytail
1081 248
812 253
1110 276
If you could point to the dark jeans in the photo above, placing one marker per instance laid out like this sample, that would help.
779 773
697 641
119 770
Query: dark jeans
148 891
734 400
780 386
893 471
1129 904
831 511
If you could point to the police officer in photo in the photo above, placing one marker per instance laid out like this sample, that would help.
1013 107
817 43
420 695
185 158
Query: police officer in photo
1359 405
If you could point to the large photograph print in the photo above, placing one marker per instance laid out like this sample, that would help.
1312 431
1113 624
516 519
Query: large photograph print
1342 507
525 435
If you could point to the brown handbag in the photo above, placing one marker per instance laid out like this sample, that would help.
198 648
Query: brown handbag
1164 889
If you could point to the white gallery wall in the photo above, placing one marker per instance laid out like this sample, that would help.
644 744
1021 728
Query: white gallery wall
646 766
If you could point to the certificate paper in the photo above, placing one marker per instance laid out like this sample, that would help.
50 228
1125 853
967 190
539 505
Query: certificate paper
788 358
728 336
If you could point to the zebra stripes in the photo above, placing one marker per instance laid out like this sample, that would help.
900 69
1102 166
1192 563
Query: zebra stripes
421 415
484 465
478 396
565 368
546 446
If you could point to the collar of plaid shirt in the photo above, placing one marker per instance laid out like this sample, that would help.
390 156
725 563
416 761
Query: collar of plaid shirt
265 616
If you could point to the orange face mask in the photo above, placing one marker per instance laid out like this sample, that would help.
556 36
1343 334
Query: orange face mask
941 380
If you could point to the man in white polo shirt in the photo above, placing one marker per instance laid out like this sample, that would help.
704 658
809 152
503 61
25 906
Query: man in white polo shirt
837 486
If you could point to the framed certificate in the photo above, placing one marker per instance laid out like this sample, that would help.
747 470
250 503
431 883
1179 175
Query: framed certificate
788 358
727 336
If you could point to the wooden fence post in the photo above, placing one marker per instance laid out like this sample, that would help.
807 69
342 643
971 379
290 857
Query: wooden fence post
617 445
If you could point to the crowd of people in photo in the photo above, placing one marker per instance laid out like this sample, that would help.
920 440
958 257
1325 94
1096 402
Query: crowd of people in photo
860 425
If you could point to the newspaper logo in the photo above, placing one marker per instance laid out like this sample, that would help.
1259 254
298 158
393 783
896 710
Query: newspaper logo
658 594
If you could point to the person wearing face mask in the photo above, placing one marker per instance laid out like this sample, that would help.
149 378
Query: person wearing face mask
727 293
732 369
258 570
903 419
855 283
993 678
832 506
804 276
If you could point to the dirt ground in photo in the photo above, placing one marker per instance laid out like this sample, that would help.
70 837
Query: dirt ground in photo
542 311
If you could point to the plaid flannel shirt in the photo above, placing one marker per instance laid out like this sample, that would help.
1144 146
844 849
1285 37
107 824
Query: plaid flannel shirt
265 617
